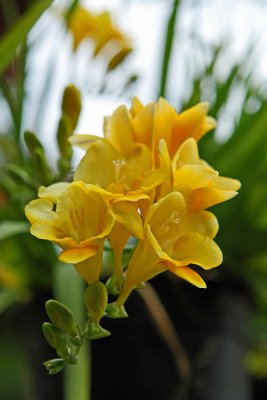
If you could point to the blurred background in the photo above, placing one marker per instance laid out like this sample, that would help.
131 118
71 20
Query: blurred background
186 51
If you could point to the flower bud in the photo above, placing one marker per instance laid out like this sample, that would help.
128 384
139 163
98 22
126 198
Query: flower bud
95 299
71 104
56 339
63 132
61 317
32 142
54 366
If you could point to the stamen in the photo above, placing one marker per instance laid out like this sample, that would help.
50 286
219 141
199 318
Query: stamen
118 164
164 228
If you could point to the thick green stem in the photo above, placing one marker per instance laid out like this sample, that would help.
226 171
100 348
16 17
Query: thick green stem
168 48
69 288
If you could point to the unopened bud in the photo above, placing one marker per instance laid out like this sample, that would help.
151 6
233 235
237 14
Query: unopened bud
32 142
56 339
61 317
63 132
95 299
54 366
71 104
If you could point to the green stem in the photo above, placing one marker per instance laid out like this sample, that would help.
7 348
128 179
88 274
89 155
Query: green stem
168 48
69 288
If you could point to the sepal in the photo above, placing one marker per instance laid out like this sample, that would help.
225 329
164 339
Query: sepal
114 310
95 331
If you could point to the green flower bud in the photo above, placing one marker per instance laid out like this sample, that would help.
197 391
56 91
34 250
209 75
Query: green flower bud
71 104
95 299
61 317
115 311
54 366
56 339
42 170
63 132
32 142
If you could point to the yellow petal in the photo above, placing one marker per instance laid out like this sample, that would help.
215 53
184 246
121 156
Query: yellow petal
206 197
224 183
169 209
44 230
143 126
194 175
192 122
164 118
118 130
82 141
38 210
127 215
136 107
203 222
190 276
52 192
74 256
187 153
195 248
97 166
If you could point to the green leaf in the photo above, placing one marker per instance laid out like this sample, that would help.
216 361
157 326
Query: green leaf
11 228
18 33
168 47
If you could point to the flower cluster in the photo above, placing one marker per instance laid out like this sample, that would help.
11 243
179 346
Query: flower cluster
144 180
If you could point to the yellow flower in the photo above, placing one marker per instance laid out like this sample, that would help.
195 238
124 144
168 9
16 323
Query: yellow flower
129 182
82 24
200 184
174 238
78 224
100 29
148 124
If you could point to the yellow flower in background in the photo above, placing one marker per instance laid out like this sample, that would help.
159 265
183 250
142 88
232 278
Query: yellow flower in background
78 224
84 24
174 238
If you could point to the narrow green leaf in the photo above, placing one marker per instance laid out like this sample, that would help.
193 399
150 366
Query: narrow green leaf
168 48
18 33
11 228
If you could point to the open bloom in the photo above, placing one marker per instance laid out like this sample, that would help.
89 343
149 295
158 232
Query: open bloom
130 184
147 125
200 184
174 238
78 224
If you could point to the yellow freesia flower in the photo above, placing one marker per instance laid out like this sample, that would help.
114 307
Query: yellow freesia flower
78 224
148 124
200 184
174 238
130 181
100 29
